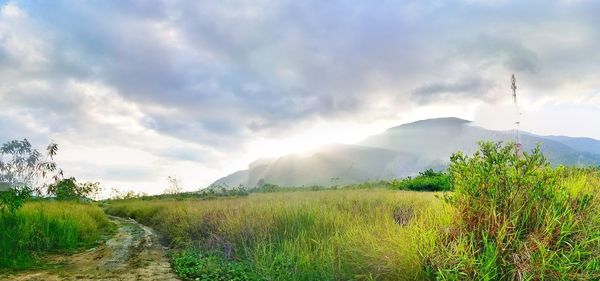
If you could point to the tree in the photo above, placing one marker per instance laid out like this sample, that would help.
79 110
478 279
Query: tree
174 186
117 194
69 189
22 169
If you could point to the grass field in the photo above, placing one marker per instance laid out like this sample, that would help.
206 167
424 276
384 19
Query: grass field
551 231
48 226
319 235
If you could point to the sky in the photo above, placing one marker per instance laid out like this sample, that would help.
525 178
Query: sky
136 91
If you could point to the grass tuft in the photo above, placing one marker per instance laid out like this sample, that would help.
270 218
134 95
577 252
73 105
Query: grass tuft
45 226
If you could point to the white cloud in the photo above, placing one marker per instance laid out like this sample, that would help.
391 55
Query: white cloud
11 10
139 91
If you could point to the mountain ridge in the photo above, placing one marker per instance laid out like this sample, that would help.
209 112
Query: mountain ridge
402 151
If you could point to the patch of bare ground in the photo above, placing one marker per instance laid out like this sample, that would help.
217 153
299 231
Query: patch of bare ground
133 253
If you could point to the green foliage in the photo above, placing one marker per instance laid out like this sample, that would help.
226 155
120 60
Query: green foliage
367 185
267 187
518 219
203 194
427 180
191 265
21 169
69 189
220 191
47 226
12 199
117 194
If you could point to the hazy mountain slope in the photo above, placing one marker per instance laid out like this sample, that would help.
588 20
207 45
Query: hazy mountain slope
333 164
439 138
233 180
401 151
559 153
588 145
434 138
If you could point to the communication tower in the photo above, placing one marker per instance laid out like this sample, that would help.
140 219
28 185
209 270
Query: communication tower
518 115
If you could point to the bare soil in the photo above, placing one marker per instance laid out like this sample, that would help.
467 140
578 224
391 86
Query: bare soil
133 253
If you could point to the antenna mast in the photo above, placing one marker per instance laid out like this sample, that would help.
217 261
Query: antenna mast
517 122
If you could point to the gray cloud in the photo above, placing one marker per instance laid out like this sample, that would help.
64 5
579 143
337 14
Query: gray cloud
124 173
474 88
213 76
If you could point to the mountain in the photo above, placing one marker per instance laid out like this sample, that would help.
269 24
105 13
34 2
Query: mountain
403 151
588 145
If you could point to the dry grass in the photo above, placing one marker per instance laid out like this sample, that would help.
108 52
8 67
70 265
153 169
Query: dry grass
321 235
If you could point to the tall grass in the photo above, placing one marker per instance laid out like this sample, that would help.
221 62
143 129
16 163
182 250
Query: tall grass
324 235
46 226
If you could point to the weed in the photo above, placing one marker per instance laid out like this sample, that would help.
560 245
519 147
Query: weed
191 265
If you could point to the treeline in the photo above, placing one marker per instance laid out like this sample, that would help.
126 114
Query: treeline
428 180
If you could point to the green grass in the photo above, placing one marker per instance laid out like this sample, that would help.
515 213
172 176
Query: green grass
319 235
46 226
193 265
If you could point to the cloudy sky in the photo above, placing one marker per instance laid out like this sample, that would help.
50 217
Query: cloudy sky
135 91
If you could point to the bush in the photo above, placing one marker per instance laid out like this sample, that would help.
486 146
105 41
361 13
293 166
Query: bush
69 189
12 199
517 220
428 180
191 265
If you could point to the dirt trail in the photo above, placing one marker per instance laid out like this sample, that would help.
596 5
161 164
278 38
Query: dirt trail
133 253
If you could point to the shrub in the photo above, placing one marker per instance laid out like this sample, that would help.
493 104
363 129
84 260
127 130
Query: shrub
69 189
191 265
12 199
427 180
263 186
517 220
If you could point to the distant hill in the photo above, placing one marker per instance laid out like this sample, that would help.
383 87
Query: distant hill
402 151
588 145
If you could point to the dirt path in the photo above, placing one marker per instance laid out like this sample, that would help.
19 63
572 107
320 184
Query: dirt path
133 253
